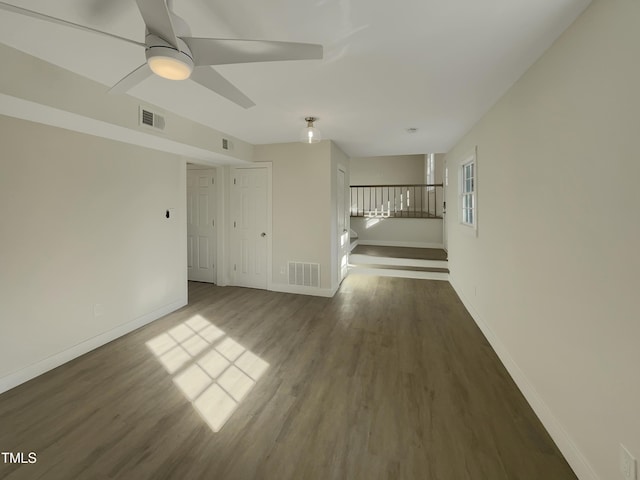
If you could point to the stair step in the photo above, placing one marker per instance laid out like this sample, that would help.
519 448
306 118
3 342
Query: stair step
403 272
360 259
403 267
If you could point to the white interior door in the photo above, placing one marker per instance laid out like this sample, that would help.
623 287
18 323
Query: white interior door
250 226
201 225
343 231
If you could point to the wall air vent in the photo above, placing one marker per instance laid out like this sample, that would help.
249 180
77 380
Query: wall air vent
151 119
304 274
225 144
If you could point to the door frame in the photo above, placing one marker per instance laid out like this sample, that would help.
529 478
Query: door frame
347 224
192 167
269 168
445 185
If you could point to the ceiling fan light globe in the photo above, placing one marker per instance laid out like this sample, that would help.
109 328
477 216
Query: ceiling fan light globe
170 64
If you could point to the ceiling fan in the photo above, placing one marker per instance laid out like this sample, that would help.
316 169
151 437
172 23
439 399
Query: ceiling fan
173 53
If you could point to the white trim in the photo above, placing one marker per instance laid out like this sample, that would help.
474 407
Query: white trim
213 171
471 157
269 224
269 167
445 214
395 243
389 272
304 290
27 373
361 259
337 261
577 461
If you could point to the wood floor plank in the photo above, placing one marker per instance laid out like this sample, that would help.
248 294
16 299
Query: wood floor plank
390 379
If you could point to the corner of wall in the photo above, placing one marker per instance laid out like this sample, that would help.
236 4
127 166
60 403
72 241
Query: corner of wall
578 462
32 371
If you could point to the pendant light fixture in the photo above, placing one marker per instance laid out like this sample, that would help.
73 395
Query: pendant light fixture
310 134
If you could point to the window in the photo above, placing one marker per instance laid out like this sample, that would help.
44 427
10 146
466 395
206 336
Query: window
430 171
468 203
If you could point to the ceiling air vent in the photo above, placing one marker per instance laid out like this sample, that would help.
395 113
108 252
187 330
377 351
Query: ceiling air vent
151 119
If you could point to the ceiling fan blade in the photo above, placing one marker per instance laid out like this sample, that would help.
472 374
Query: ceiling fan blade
218 51
209 78
157 18
131 80
59 21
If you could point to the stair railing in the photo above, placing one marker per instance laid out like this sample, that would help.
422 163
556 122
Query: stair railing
397 201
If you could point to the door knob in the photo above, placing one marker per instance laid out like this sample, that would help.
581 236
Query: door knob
263 234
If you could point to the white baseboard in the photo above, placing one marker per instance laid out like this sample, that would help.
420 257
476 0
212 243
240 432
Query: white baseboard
563 440
27 373
393 243
302 290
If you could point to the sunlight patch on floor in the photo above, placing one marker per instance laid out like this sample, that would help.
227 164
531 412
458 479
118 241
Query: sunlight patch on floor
213 371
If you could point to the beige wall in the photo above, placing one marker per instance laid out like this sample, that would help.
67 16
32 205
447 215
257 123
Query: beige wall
552 276
86 251
302 217
388 170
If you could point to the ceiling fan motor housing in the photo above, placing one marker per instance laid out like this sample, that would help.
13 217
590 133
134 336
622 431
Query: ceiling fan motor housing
167 61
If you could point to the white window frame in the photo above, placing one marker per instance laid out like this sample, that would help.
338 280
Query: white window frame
468 193
430 171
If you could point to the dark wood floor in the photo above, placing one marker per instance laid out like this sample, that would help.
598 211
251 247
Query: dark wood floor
389 379
401 252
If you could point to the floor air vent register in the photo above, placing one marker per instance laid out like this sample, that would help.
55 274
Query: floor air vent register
304 274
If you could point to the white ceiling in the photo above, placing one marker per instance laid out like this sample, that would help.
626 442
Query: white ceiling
434 65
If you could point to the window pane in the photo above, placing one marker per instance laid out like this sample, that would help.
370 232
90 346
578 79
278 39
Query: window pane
467 192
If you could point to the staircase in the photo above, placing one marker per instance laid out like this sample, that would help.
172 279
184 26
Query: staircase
425 263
